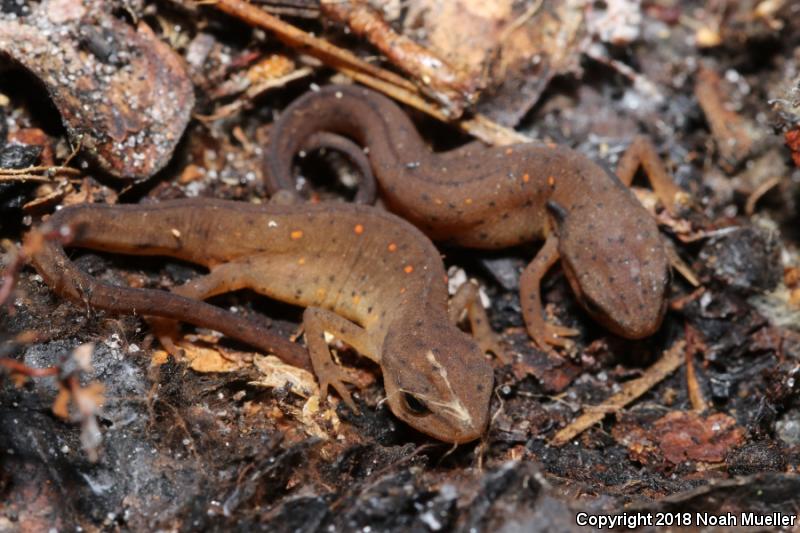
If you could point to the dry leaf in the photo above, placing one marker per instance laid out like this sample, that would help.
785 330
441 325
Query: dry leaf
680 436
201 359
61 403
275 373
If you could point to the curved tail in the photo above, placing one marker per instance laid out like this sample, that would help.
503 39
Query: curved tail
346 118
69 281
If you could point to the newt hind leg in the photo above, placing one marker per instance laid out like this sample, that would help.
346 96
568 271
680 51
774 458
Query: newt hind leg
243 274
224 278
642 153
467 299
316 322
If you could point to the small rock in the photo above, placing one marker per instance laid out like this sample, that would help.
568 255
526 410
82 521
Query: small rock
746 258
756 457
19 156
788 430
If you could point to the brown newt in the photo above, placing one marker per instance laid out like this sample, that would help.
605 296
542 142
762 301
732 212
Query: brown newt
494 197
364 275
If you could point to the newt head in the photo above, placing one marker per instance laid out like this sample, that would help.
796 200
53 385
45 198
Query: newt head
615 262
437 380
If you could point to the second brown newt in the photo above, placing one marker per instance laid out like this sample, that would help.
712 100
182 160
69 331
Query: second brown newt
364 275
494 197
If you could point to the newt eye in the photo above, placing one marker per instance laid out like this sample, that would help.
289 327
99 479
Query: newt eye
557 211
415 405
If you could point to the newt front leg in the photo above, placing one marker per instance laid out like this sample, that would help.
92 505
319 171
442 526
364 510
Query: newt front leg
316 321
543 333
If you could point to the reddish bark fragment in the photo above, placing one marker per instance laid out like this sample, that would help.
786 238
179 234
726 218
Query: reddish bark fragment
793 142
123 95
682 436
34 137
555 376
450 86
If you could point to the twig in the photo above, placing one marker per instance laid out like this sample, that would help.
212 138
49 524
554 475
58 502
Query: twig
23 178
481 127
307 43
253 92
450 86
18 257
640 82
695 393
71 156
679 264
520 20
761 190
489 131
669 362
44 169
730 131
17 367
679 303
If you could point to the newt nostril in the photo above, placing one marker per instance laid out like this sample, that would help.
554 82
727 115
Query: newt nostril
592 307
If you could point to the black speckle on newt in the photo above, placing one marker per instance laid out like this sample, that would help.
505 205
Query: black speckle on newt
381 288
495 197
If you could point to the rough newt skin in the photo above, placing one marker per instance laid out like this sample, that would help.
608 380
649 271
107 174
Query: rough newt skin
364 275
495 197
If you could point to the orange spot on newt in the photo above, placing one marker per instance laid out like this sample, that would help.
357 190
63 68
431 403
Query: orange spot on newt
509 151
437 201
468 201
408 269
551 181
392 247
526 178
358 229
402 290
301 261
296 234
